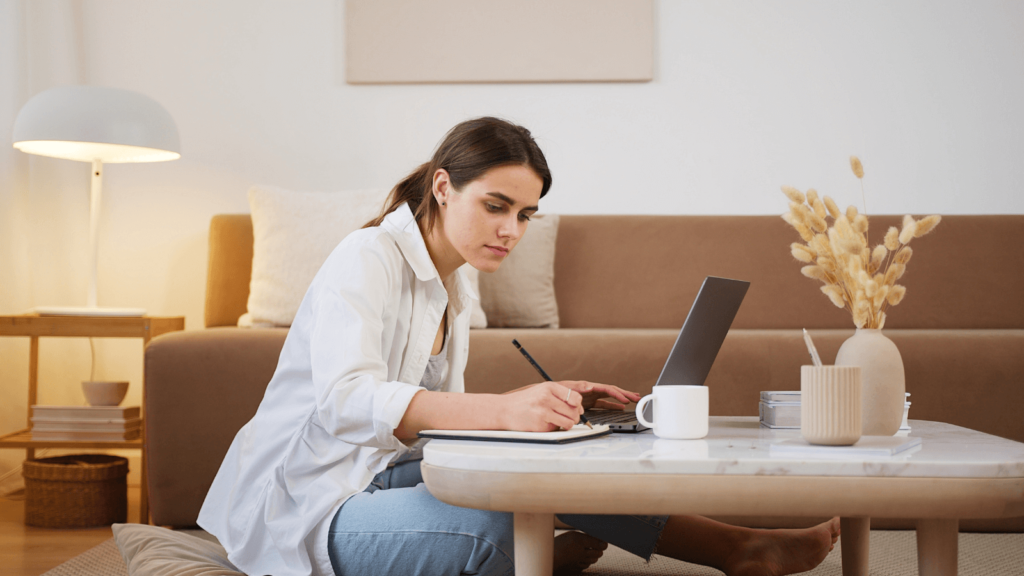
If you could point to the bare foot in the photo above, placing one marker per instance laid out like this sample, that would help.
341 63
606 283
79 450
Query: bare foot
779 552
576 551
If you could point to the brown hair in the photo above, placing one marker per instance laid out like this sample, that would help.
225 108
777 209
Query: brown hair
468 151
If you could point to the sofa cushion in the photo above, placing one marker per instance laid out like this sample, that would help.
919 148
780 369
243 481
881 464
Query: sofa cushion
645 271
293 233
155 551
521 293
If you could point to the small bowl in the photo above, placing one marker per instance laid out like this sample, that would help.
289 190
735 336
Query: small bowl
104 393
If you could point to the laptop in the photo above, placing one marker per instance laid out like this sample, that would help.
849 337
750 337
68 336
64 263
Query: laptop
695 349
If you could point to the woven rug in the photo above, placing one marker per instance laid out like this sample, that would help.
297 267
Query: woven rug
893 553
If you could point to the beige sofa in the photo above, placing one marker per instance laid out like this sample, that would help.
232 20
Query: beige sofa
624 285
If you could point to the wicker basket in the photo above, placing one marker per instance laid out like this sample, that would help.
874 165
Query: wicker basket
76 491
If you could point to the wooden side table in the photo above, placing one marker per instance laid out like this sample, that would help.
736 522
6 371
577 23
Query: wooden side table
35 326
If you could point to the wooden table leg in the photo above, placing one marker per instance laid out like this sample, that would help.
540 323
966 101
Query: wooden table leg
33 385
937 542
855 535
534 543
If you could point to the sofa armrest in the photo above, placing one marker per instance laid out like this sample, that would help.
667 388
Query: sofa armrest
201 388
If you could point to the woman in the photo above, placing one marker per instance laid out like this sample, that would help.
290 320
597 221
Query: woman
325 478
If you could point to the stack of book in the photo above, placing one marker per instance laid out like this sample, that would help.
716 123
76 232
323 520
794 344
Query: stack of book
781 409
86 423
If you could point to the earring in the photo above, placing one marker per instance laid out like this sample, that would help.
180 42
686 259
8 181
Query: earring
444 203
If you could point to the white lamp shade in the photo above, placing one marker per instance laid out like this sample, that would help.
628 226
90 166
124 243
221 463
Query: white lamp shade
88 123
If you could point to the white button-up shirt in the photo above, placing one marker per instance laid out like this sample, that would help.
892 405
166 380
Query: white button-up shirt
350 365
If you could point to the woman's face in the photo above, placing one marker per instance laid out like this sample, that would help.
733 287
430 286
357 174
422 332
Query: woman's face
484 220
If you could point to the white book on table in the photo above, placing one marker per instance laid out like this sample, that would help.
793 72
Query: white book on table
97 413
866 447
63 435
108 425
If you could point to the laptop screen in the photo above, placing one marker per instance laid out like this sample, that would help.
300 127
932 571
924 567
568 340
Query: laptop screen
703 332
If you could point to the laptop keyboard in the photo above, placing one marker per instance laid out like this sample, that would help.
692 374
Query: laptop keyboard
610 416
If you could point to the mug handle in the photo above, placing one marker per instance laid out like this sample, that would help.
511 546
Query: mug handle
640 410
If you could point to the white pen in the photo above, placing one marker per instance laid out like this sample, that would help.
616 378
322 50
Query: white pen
810 348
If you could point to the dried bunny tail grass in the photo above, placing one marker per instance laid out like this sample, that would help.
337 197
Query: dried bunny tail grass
793 194
860 224
880 295
894 273
793 219
801 252
861 312
854 267
903 256
818 223
827 264
804 215
896 294
820 244
892 238
851 212
812 195
909 229
858 168
870 289
844 233
814 272
819 208
926 225
907 220
832 208
863 277
877 257
881 320
804 232
834 294
800 213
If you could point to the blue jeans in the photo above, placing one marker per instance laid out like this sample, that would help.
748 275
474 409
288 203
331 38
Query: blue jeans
395 526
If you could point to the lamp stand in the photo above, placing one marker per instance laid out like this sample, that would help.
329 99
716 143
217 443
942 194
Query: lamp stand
91 309
95 198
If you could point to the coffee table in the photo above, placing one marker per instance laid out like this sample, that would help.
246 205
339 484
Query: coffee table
955 473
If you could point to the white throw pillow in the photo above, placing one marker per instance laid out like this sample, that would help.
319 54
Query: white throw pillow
521 293
154 551
293 234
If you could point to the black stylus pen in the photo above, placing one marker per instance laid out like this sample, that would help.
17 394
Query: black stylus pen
544 374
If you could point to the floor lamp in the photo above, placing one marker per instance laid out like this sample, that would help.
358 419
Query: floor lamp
97 125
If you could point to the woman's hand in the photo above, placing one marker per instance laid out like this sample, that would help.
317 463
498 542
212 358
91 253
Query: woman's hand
595 395
550 406
543 407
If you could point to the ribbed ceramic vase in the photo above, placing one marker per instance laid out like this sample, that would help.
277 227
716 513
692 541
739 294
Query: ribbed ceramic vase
883 387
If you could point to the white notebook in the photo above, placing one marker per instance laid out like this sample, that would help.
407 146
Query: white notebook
574 434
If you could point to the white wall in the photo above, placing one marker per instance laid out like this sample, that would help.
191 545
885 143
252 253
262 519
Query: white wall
748 95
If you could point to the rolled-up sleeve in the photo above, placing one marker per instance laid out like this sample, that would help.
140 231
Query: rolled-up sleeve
355 400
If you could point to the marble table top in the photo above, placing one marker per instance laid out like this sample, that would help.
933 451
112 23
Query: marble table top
738 445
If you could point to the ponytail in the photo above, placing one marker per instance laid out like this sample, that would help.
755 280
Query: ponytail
468 151
412 190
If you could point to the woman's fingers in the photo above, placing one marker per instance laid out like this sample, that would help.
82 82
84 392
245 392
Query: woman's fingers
592 388
608 405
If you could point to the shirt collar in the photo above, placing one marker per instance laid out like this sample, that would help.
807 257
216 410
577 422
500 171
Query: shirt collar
401 223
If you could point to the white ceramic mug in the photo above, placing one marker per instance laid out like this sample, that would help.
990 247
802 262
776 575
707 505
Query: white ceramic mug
680 412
